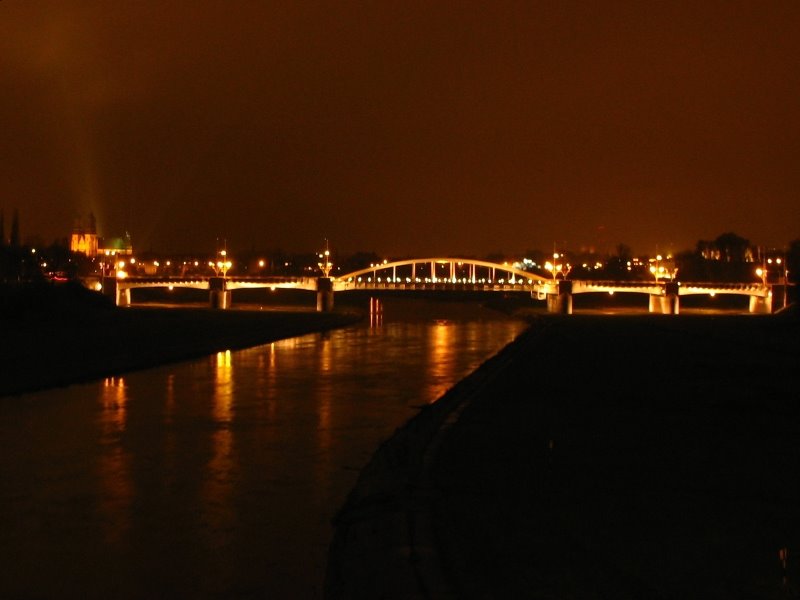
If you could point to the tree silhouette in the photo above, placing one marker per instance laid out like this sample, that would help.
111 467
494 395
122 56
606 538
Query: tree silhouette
732 248
14 237
793 261
624 252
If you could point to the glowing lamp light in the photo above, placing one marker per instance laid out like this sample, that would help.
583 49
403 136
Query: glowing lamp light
121 274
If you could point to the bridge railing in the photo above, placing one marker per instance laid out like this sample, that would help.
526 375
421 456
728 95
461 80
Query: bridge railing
422 284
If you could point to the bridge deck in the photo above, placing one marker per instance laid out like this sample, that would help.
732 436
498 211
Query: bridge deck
538 287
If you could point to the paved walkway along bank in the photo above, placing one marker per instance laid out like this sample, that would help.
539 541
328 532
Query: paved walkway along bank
597 457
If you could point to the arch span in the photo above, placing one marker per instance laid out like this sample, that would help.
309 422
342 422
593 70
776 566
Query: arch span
450 264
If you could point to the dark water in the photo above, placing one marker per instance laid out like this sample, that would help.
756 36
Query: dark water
218 477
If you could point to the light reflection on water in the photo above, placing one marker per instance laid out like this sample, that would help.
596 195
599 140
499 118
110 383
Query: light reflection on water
221 475
114 463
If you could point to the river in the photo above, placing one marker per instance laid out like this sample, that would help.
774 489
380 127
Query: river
219 476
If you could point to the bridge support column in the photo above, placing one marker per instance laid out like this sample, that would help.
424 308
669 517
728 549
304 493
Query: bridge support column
109 289
779 296
561 303
324 294
761 305
219 296
667 304
670 302
123 296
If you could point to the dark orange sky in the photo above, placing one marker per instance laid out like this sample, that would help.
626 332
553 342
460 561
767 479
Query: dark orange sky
403 127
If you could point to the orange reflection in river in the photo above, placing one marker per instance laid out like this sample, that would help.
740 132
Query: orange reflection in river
114 463
325 394
218 510
440 359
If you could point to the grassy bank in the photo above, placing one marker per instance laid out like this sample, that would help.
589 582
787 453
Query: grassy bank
58 342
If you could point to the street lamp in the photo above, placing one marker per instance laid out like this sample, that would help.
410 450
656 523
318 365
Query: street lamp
657 270
762 272
222 264
325 265
555 267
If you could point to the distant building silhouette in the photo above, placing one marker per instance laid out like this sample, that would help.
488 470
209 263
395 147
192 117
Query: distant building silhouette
84 236
118 246
85 240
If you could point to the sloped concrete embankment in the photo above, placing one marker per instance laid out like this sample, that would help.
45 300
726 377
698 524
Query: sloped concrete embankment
384 543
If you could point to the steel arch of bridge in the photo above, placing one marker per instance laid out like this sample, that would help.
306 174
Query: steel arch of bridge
525 276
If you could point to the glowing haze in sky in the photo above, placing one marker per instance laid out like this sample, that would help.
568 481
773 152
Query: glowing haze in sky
408 127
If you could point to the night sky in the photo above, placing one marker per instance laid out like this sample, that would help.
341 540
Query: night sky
407 128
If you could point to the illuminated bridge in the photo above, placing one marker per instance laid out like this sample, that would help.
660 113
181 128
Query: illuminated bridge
454 274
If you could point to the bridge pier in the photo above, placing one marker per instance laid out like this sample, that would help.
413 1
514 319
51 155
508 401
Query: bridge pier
324 294
668 303
111 289
122 296
561 303
761 304
219 295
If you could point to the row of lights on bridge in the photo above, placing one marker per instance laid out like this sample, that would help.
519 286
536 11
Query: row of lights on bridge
558 267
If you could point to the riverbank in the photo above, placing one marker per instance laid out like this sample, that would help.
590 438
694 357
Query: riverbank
50 348
623 457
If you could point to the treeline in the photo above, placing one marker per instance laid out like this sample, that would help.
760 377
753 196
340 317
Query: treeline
728 257
22 263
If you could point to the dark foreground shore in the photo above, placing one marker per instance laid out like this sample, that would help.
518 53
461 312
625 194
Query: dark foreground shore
596 457
43 349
